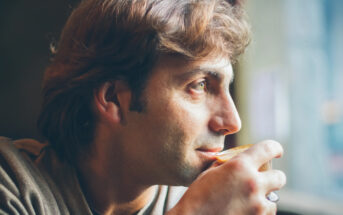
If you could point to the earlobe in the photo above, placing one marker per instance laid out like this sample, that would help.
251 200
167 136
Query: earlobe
106 103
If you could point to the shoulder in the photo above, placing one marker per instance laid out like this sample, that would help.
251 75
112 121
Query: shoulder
14 161
23 190
19 151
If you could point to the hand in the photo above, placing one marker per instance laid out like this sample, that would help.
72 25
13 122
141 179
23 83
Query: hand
235 187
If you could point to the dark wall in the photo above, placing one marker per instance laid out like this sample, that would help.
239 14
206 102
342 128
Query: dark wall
26 30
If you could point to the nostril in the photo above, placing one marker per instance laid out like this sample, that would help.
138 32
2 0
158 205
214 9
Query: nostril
224 131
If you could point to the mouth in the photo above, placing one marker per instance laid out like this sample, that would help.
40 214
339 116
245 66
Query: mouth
209 153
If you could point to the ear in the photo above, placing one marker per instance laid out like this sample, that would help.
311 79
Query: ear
112 101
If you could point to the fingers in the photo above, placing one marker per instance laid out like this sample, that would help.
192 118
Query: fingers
269 181
263 206
263 152
271 207
252 184
272 180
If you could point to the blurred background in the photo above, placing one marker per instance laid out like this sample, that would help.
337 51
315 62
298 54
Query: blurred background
288 87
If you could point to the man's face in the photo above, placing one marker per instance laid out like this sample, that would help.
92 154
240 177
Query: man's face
188 111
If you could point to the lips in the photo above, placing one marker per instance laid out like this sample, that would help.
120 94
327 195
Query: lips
214 150
208 153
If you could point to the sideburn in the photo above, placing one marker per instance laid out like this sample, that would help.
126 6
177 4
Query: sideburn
138 102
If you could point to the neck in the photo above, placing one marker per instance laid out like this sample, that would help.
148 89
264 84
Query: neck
108 185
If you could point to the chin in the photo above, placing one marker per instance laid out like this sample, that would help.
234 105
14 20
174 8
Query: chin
189 173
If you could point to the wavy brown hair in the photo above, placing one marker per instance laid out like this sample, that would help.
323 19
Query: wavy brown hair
121 39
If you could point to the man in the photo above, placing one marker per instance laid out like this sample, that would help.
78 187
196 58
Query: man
136 103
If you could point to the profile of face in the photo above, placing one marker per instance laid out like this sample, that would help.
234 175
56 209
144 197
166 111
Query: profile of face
188 111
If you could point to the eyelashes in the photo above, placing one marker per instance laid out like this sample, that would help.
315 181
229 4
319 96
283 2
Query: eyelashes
199 86
204 85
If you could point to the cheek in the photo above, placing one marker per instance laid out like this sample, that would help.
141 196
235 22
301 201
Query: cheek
178 134
194 117
176 123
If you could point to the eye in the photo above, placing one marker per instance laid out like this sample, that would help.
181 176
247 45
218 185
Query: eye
199 86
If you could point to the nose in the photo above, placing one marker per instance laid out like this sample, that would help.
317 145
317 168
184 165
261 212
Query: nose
225 119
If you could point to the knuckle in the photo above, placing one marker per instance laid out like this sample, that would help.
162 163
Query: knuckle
251 186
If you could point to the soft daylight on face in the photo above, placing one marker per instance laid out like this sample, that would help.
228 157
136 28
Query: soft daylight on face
188 112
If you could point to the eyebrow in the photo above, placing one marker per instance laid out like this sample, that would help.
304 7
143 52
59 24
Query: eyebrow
204 71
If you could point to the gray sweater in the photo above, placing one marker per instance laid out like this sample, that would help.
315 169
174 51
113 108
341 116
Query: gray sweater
34 181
